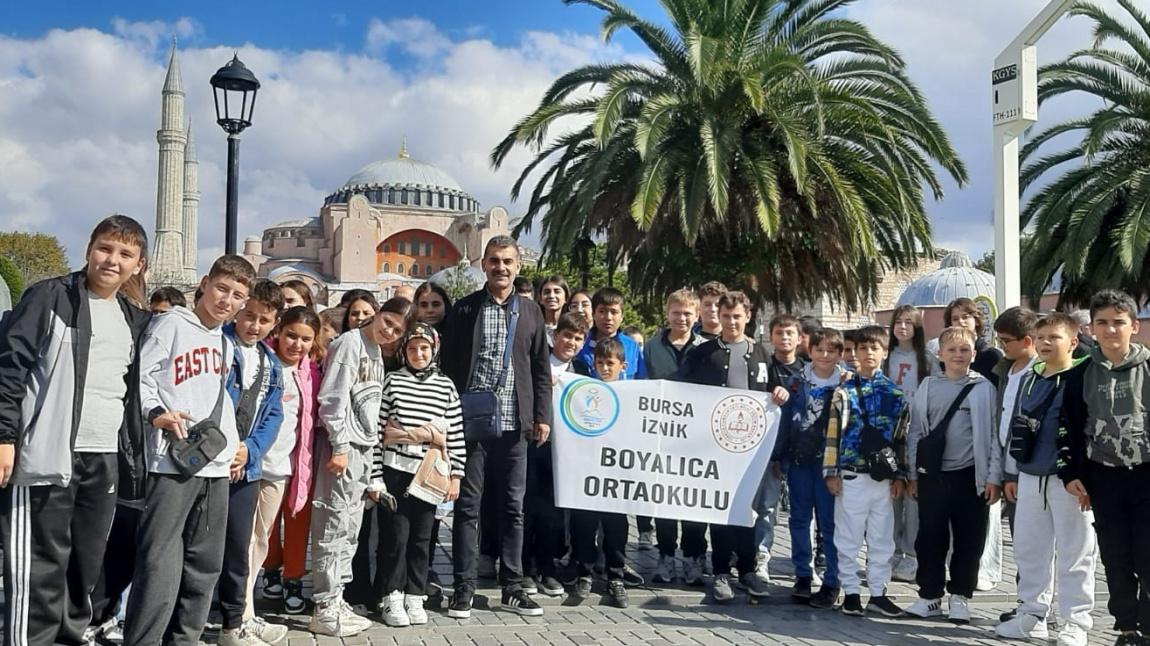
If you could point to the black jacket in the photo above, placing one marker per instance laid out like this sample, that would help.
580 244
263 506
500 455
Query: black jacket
529 355
44 359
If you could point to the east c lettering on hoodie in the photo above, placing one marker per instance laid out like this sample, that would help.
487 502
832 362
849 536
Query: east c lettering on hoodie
180 366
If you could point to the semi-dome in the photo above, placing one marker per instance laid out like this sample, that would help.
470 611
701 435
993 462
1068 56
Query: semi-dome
956 277
406 183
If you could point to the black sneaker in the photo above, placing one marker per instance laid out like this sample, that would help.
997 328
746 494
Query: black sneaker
852 605
520 603
273 587
825 598
883 606
617 593
1008 615
294 603
583 587
460 607
1129 639
550 586
529 586
802 588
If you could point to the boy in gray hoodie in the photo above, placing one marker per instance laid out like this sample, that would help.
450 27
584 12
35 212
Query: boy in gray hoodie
1104 456
183 368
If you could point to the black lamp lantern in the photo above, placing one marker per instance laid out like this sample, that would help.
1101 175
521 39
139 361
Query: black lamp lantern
234 87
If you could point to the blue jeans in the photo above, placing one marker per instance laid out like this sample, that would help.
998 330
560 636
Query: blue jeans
766 511
809 496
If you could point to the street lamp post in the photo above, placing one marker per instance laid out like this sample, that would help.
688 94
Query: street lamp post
1014 82
234 87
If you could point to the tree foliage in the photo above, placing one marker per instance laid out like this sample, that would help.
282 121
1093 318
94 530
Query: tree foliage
771 144
11 277
1091 221
35 255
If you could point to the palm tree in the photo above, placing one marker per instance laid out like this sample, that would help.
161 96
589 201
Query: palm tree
769 143
1092 222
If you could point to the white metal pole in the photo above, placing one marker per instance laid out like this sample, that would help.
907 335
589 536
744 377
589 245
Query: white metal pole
1007 266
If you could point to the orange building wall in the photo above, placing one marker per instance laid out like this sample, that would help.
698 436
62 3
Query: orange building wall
415 248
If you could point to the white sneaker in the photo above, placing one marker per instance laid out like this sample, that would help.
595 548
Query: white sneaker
762 566
238 637
330 619
646 540
665 571
1072 635
1024 626
268 633
394 614
958 611
413 605
693 570
985 585
925 608
352 618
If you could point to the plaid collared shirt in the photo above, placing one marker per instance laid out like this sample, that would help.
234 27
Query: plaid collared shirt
493 321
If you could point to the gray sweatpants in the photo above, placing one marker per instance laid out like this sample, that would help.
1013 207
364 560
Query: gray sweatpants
335 519
178 560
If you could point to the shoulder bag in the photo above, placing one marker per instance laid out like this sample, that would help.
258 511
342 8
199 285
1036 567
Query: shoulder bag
1024 428
482 419
204 441
928 456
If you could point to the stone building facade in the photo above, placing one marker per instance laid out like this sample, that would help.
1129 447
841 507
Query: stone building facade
394 222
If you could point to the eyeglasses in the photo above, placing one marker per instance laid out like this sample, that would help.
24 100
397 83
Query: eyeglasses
1006 340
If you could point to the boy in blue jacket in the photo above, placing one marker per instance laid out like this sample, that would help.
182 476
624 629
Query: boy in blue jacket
255 385
606 315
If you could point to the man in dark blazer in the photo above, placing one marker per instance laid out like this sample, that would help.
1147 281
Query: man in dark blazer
473 349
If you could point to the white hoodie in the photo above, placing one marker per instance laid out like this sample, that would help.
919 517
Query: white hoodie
180 369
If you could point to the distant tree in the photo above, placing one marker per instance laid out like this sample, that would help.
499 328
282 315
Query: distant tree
458 282
11 277
986 262
35 255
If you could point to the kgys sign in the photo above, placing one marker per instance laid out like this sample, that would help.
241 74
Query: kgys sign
661 448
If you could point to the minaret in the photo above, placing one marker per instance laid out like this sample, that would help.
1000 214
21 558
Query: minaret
168 261
191 207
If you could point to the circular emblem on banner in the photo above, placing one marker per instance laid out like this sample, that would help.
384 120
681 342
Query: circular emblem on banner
738 423
589 407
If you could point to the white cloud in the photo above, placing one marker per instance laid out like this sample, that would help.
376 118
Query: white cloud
80 110
416 36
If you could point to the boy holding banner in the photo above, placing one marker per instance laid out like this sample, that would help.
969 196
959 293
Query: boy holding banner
732 361
663 355
610 364
863 469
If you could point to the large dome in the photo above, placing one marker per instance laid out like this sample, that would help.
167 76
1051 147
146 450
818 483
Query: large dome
402 172
405 183
955 278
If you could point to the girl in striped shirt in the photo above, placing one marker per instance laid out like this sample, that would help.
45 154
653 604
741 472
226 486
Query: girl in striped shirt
420 408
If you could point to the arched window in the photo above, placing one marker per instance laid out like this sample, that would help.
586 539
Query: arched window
400 247
399 268
386 248
403 196
414 269
418 198
451 203
391 196
386 267
428 270
441 200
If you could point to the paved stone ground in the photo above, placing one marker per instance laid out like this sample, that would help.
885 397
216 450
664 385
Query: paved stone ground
673 615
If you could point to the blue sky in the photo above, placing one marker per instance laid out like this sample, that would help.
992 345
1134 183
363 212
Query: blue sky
344 82
296 24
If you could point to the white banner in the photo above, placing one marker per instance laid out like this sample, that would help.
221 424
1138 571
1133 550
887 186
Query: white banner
661 448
